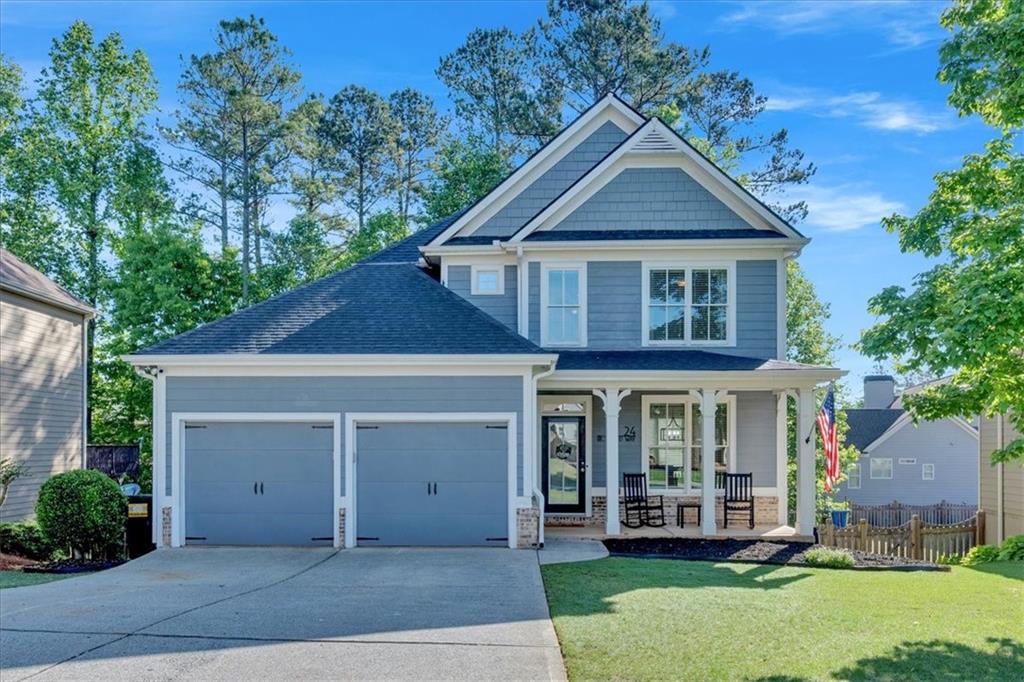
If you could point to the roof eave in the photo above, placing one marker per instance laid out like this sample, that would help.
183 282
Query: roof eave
334 360
35 295
501 247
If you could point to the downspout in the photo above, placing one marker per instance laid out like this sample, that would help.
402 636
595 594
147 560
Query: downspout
537 493
522 323
1000 492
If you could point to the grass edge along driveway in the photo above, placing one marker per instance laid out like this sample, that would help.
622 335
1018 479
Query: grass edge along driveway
10 579
620 618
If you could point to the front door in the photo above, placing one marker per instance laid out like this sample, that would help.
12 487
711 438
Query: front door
564 465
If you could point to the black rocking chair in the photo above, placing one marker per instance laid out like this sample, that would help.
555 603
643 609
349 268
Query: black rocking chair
641 510
739 495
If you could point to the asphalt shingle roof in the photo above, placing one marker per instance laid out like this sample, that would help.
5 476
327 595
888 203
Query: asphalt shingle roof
370 308
17 275
671 360
408 250
866 425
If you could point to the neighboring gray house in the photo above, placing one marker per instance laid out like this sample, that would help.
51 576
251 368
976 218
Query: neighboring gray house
613 304
900 461
42 380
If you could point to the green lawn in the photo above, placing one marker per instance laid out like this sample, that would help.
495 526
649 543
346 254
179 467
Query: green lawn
10 579
656 619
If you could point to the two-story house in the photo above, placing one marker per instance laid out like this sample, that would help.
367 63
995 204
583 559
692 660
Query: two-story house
614 304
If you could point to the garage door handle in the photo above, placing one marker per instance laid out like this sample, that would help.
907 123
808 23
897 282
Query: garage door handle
254 485
261 487
435 488
428 487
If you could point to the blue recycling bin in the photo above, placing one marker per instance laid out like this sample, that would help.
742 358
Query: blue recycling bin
840 517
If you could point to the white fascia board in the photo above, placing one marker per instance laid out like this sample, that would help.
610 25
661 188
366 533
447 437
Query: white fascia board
770 246
610 108
34 295
668 379
326 361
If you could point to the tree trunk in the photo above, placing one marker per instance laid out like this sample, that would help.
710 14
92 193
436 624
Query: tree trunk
257 232
361 199
246 254
223 208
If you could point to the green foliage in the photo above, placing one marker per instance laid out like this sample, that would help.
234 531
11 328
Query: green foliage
828 557
980 554
982 59
419 127
10 471
463 171
1012 549
381 230
949 560
358 122
25 539
83 510
966 314
501 90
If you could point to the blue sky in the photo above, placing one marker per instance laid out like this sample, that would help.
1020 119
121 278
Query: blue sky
853 82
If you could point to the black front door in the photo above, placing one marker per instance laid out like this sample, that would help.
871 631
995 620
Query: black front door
564 465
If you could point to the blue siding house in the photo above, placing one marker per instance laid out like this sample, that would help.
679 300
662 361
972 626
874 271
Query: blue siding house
615 305
920 464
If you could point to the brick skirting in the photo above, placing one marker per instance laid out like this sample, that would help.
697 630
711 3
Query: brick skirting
341 527
766 512
527 527
165 527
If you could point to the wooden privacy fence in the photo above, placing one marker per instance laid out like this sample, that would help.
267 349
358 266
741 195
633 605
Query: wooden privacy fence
897 514
912 540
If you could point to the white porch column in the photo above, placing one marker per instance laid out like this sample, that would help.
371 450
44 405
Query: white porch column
805 473
782 455
708 405
611 397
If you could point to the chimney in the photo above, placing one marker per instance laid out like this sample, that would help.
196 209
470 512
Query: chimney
879 391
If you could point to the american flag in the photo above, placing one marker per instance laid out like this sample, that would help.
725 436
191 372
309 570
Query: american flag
829 438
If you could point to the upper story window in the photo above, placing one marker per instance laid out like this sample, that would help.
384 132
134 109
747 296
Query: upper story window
881 467
689 304
853 477
563 305
487 280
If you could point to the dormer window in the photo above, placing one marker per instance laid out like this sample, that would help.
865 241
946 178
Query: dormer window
488 280
689 304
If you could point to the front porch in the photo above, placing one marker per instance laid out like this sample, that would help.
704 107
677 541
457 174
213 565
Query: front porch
590 432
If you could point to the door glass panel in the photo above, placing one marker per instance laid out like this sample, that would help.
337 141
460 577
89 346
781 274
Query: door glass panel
563 463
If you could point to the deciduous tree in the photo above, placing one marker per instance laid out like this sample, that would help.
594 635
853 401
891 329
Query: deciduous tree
463 171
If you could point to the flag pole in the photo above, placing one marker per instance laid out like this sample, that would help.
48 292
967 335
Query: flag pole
810 433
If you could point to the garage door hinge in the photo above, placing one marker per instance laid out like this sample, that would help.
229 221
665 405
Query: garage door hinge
323 426
194 426
495 539
366 427
496 426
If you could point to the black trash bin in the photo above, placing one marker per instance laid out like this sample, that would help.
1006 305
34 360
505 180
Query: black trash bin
139 526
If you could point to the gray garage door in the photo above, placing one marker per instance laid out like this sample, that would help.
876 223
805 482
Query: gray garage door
432 484
258 484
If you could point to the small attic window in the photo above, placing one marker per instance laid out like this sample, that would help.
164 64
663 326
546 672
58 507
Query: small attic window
488 280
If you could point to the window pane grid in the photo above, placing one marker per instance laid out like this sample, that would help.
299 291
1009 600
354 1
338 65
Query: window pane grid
563 307
675 451
684 308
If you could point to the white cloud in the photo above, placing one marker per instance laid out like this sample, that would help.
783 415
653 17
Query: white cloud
663 9
906 24
841 208
869 109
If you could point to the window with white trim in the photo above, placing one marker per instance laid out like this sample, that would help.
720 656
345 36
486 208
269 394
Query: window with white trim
487 280
564 306
853 477
671 441
927 472
881 467
688 304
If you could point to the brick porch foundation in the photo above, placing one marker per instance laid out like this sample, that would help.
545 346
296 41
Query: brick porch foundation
527 527
766 513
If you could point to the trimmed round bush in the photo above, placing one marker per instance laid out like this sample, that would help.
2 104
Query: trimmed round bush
83 510
1012 549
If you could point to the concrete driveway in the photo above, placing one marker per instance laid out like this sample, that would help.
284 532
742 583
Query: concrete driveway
233 613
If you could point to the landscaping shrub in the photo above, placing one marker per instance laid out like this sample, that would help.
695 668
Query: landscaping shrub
26 540
1012 549
83 510
949 559
981 554
828 557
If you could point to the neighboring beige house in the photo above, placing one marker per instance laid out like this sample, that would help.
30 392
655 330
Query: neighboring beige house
1000 486
42 380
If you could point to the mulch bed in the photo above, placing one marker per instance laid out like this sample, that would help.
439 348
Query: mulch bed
71 566
12 562
776 552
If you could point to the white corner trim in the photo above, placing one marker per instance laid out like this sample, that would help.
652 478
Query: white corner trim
477 269
688 265
581 268
179 461
352 465
610 108
781 303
